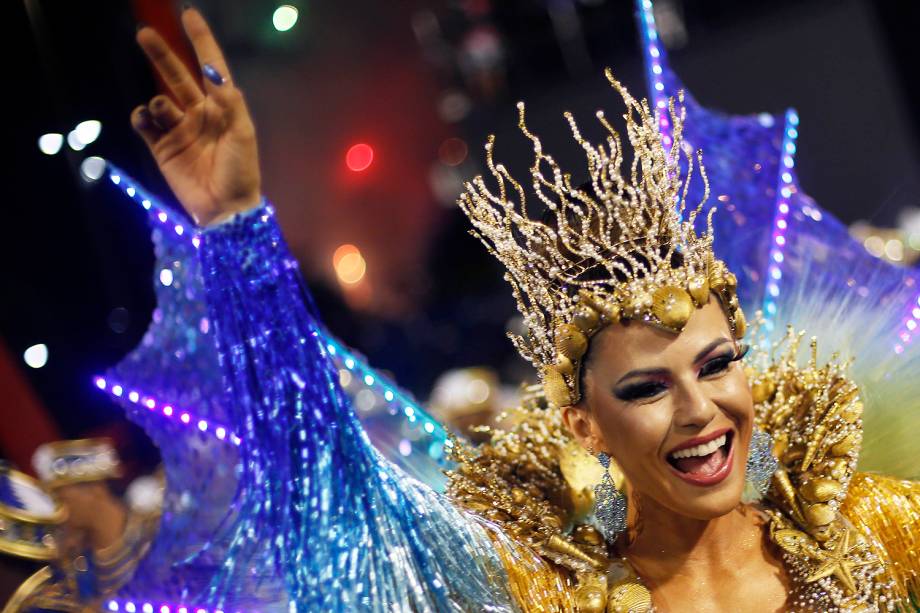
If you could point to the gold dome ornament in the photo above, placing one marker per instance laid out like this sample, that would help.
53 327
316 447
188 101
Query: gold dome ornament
629 597
672 306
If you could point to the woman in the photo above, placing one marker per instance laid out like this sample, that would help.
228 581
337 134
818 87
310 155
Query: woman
636 329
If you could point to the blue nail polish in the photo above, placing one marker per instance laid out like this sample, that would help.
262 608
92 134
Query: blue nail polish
212 75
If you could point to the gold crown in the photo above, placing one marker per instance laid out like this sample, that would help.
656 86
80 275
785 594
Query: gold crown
618 249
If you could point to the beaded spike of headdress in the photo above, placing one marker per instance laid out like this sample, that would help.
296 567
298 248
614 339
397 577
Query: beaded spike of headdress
617 250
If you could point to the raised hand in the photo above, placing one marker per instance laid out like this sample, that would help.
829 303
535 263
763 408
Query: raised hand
202 138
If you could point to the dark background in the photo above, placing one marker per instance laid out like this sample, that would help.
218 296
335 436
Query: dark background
75 258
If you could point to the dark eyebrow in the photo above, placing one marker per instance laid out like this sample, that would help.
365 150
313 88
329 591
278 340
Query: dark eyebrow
645 372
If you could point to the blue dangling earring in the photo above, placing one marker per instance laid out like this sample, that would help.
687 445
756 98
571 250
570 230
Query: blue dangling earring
761 465
609 504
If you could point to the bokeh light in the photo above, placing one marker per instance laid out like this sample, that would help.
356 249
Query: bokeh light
349 264
49 144
359 157
92 168
284 17
453 151
36 356
88 131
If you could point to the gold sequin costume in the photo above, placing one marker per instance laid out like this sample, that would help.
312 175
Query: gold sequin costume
849 539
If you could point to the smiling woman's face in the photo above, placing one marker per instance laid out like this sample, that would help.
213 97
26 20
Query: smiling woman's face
674 410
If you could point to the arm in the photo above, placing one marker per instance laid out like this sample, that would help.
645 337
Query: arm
342 527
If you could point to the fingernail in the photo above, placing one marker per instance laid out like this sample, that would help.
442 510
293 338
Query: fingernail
212 75
144 115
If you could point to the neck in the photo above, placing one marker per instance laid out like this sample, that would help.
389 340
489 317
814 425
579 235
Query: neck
671 545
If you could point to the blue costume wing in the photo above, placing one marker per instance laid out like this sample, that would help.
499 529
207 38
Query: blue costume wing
276 497
798 264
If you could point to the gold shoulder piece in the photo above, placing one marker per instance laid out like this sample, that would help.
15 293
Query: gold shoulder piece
814 415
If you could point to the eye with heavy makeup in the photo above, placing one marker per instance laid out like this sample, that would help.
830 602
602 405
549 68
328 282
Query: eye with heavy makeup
657 384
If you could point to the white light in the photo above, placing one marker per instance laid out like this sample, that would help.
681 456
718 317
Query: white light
405 447
50 143
88 131
166 277
284 17
74 141
36 356
92 168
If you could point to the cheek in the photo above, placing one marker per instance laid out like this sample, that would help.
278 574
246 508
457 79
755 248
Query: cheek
634 434
733 396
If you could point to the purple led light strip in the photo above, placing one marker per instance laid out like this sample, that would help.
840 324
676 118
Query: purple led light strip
138 194
785 189
654 62
149 606
906 333
166 410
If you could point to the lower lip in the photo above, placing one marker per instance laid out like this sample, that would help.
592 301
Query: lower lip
713 479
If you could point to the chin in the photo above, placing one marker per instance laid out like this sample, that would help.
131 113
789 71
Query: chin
707 481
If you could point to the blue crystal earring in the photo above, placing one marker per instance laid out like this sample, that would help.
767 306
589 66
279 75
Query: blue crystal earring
609 504
761 465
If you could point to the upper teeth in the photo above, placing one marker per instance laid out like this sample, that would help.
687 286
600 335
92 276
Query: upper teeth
700 450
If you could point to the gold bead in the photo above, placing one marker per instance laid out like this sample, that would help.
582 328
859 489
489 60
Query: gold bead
552 521
587 535
565 365
838 468
698 287
630 597
820 490
591 593
589 600
586 318
762 390
554 386
790 540
570 341
844 447
672 306
852 412
740 323
518 496
612 312
819 515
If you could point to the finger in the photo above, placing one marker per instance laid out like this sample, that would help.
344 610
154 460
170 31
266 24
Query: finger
210 57
142 122
174 73
166 115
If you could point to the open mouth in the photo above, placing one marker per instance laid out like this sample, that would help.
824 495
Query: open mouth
704 463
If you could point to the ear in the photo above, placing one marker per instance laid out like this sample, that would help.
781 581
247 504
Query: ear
579 422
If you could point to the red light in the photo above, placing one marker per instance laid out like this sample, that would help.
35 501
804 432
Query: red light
359 157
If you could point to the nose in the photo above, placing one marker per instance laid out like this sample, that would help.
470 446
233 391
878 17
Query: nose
694 408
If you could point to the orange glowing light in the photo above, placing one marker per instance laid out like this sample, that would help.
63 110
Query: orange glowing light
349 264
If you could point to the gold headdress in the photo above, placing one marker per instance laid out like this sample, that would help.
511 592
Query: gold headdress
618 250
